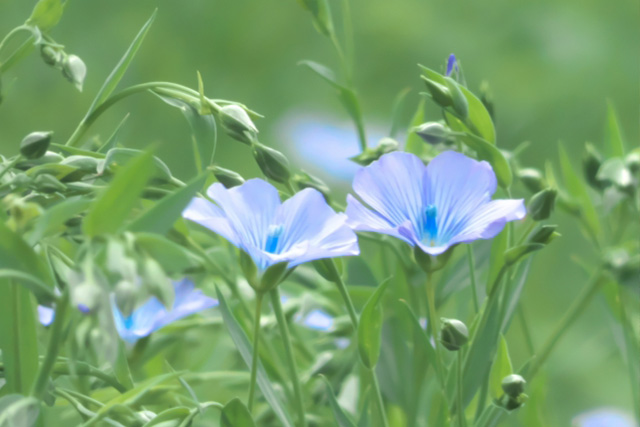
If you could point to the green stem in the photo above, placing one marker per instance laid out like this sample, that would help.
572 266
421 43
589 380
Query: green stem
254 358
354 321
286 340
631 344
525 329
11 164
570 316
460 407
53 347
12 33
433 326
472 276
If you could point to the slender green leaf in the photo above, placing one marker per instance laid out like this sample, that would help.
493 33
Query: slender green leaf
236 414
116 74
169 417
53 219
496 258
244 347
414 143
370 327
397 118
160 217
46 14
501 368
339 415
489 152
109 212
173 257
113 139
613 136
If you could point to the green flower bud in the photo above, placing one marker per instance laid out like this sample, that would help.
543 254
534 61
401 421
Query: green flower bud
532 179
614 172
21 180
87 296
50 55
370 155
237 123
543 234
227 177
273 164
35 145
46 183
632 161
513 385
303 180
460 103
433 132
49 157
454 334
126 295
590 165
74 70
439 93
542 203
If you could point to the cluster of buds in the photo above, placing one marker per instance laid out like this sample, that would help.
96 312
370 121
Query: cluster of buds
514 396
370 155
71 66
613 174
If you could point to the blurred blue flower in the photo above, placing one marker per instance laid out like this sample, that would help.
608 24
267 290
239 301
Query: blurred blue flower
46 315
319 320
452 64
603 417
251 217
153 315
434 206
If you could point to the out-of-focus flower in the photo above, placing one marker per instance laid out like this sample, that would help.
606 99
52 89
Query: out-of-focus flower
252 217
432 207
153 315
603 417
452 64
319 320
46 315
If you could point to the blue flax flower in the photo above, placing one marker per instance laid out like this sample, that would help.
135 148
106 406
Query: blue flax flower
452 63
153 315
251 217
434 206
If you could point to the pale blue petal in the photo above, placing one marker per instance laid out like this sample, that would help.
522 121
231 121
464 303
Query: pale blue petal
490 219
250 209
187 301
457 186
46 315
212 217
394 187
312 230
360 218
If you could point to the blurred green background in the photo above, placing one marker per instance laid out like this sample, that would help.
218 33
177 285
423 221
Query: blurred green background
551 65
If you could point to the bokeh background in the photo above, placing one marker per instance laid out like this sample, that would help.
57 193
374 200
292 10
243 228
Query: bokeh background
550 64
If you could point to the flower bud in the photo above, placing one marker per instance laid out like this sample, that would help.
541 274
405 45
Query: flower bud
273 164
542 203
460 103
74 70
304 180
486 96
454 334
614 172
87 296
433 132
632 161
532 179
513 385
35 145
590 164
126 293
50 55
21 180
370 155
227 177
439 93
543 234
49 157
237 123
46 183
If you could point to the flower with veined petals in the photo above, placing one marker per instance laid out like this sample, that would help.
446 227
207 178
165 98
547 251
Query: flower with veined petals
434 206
153 315
250 216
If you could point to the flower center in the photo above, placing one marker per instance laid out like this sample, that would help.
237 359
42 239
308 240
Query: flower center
430 231
273 236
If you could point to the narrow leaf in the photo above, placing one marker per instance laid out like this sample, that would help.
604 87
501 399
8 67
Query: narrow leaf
111 209
236 414
339 415
370 327
501 368
613 136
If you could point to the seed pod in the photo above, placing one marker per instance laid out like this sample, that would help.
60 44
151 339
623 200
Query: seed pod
227 177
237 124
35 145
454 334
272 163
542 203
74 70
